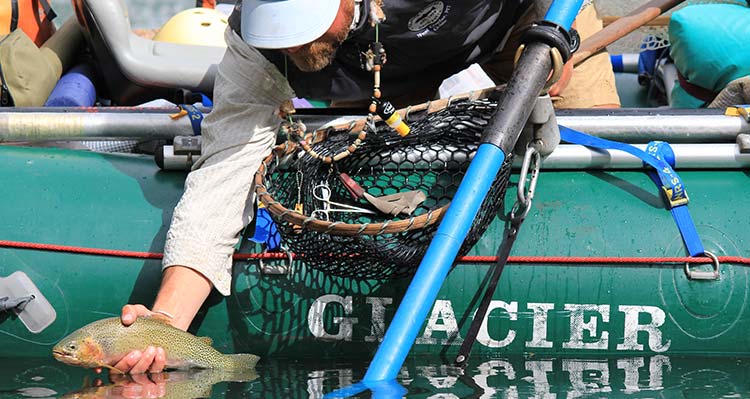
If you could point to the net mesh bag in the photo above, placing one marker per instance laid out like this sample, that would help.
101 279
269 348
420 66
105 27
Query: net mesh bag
649 37
432 160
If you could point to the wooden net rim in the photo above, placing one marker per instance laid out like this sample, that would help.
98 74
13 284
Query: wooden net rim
352 229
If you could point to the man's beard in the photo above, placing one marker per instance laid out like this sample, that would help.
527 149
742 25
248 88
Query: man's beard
315 56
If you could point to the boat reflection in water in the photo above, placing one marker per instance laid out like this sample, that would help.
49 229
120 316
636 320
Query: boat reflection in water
530 377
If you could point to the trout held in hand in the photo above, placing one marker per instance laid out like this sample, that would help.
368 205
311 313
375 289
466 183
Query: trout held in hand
106 341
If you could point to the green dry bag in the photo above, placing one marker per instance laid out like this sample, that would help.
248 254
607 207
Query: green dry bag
709 46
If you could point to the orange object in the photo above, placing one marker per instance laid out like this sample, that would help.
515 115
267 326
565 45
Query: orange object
34 17
206 3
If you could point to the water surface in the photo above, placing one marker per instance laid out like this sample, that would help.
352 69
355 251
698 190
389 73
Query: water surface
631 377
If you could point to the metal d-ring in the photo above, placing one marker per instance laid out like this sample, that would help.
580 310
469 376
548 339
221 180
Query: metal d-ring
701 275
557 65
288 270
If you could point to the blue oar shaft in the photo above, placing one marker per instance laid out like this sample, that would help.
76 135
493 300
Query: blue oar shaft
435 265
424 287
500 137
563 12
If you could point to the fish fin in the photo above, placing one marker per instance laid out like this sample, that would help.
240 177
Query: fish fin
242 361
102 364
206 340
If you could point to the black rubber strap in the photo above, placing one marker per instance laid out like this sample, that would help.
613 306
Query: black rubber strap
48 11
552 35
502 254
13 15
6 100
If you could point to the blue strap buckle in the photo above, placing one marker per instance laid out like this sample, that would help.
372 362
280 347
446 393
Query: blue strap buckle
675 196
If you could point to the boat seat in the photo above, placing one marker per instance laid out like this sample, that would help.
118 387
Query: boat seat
135 69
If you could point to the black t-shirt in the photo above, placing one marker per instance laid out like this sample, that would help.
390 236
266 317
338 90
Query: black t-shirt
425 42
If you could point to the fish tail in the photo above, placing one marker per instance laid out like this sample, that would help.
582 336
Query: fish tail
241 361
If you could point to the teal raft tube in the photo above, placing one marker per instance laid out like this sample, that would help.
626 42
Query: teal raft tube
555 306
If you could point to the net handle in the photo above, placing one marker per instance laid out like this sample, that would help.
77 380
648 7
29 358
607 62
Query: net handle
335 228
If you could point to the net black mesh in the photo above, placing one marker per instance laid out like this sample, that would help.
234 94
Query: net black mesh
432 158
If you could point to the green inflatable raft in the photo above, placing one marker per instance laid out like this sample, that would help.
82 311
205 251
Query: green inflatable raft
86 229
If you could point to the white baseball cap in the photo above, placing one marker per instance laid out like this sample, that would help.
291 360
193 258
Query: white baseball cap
276 24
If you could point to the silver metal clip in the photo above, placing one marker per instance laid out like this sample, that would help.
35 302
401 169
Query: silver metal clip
703 275
276 269
532 161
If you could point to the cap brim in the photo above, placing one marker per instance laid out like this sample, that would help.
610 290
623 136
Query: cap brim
277 24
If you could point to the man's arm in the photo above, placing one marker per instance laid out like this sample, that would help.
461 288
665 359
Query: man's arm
218 198
174 301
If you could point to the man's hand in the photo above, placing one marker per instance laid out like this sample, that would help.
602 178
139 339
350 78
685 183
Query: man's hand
151 359
139 386
562 83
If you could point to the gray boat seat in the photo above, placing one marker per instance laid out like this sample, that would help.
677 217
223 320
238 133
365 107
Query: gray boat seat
135 69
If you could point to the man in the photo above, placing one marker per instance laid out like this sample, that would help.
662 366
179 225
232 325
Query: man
324 39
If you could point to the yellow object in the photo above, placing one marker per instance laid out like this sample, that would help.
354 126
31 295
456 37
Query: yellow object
388 113
398 124
196 26
740 110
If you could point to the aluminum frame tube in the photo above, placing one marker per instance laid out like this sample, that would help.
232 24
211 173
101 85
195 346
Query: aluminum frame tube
642 126
687 156
53 126
574 156
625 125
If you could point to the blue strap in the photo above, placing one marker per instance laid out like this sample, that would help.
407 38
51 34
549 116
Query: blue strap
205 101
196 117
660 157
266 231
681 214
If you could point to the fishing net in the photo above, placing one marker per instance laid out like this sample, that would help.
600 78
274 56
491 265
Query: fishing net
430 160
649 37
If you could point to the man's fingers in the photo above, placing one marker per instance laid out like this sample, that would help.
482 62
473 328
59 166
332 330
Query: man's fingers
160 361
160 378
564 80
141 379
126 363
145 361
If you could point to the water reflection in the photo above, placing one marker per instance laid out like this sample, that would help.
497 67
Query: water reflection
174 384
513 377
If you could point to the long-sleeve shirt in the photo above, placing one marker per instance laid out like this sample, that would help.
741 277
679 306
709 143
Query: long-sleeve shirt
219 191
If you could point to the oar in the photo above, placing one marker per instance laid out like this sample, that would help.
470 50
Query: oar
621 27
500 136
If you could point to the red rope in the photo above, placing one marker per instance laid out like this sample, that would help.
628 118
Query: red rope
465 259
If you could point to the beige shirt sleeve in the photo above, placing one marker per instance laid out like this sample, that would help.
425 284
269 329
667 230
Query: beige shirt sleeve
219 193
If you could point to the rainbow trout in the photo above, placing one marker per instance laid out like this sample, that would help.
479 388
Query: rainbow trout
105 341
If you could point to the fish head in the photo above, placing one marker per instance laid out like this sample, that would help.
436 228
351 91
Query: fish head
79 350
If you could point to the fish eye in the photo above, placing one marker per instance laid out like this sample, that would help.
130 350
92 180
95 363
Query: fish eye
72 346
